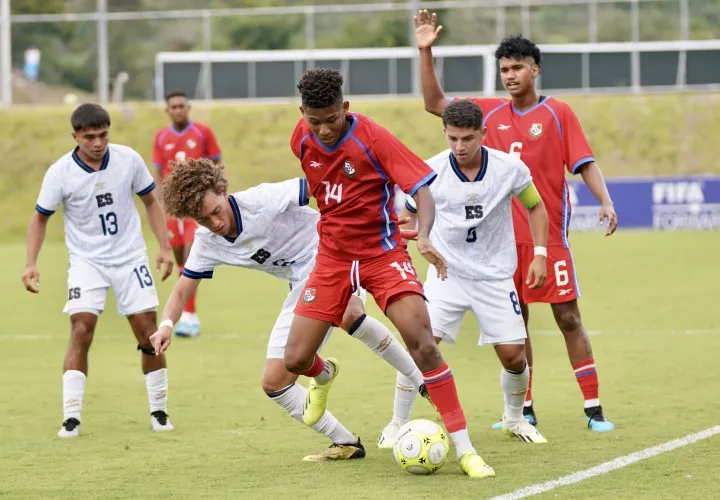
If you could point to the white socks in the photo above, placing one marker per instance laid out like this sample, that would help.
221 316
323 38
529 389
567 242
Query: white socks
73 391
405 392
514 386
327 374
462 443
157 389
291 399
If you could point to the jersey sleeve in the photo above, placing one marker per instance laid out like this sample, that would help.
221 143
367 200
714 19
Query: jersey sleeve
280 196
576 148
50 192
522 178
142 182
157 152
201 262
212 148
298 139
405 168
410 204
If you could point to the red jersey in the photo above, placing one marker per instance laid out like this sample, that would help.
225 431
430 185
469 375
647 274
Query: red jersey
197 140
353 183
546 137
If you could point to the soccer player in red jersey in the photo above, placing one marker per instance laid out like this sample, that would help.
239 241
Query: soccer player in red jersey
352 164
545 133
182 139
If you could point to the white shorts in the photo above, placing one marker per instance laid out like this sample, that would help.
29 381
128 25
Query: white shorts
281 329
132 284
493 302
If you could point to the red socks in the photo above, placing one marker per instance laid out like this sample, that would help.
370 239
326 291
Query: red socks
440 385
315 368
190 306
528 398
587 379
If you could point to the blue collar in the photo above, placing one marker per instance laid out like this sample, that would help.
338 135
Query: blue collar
480 174
344 138
238 219
87 168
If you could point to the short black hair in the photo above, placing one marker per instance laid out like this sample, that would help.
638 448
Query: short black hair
321 88
175 93
88 117
463 113
518 47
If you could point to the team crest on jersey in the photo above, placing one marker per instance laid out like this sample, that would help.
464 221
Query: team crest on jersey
349 169
309 295
536 130
191 144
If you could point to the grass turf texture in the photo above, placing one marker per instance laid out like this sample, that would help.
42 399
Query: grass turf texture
631 136
233 442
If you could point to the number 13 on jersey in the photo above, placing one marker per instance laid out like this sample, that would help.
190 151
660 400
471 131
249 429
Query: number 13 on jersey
332 192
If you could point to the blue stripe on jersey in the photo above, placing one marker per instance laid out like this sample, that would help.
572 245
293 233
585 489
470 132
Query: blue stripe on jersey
388 226
540 103
188 273
426 181
580 163
302 145
147 189
238 219
566 214
216 157
344 138
87 168
44 211
304 198
481 173
410 207
557 122
494 110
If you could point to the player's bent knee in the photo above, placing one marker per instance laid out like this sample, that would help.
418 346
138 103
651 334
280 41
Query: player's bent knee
426 354
296 361
352 316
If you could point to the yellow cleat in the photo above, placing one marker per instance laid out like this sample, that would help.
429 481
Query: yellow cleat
474 466
317 395
339 452
522 430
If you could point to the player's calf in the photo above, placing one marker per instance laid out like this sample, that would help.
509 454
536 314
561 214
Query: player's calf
75 370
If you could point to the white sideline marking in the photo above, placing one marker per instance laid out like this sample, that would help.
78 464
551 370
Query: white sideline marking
236 336
606 467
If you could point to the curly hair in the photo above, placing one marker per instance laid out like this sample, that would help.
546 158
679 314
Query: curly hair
320 88
183 191
518 47
463 113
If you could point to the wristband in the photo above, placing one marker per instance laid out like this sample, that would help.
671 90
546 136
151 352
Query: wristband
167 322
541 251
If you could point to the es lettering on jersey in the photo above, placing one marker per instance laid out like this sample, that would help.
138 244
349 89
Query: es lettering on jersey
353 183
197 140
473 227
102 224
548 138
277 234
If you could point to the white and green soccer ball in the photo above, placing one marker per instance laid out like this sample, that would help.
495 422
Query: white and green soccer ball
421 447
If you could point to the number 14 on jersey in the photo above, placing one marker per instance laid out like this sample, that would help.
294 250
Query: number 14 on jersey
332 192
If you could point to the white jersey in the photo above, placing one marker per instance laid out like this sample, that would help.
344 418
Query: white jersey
473 227
278 234
102 224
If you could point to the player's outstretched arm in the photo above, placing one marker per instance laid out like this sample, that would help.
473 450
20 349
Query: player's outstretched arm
181 293
35 238
156 218
539 227
593 177
425 204
407 221
426 34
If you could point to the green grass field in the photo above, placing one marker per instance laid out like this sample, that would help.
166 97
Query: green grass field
652 298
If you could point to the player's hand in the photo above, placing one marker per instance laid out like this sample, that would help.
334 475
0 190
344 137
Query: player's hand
426 34
432 256
537 273
160 340
607 212
164 262
31 279
406 235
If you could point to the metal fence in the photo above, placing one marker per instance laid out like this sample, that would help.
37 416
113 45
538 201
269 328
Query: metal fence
507 16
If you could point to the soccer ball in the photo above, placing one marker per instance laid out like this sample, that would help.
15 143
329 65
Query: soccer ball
421 447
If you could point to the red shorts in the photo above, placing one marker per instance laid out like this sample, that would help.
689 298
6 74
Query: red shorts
561 284
332 282
181 232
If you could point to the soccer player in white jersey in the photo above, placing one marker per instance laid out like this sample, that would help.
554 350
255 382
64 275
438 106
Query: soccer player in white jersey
269 228
96 183
473 229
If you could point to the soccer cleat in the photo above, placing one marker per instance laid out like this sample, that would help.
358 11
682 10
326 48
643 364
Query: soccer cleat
188 326
523 430
597 421
528 414
424 393
160 422
474 466
339 452
387 439
70 428
317 395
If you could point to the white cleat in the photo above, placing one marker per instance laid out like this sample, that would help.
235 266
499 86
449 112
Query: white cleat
160 422
387 439
70 428
522 430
